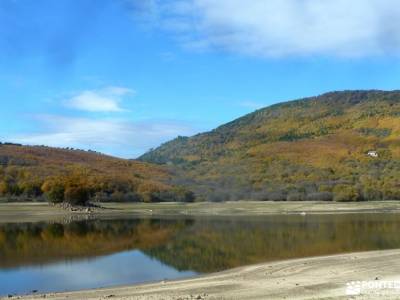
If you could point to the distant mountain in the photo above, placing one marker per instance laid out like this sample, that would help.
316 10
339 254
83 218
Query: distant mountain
340 145
38 172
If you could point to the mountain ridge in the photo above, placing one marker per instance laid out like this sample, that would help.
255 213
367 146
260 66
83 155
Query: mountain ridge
279 105
342 126
56 174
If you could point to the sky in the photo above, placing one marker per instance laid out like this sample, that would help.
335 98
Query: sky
124 76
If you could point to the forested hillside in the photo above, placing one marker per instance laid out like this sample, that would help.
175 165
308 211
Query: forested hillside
75 176
342 146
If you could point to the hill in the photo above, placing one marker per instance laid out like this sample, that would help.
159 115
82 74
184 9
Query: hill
309 149
44 173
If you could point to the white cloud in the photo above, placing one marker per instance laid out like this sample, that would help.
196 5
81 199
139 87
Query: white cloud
118 137
104 100
276 28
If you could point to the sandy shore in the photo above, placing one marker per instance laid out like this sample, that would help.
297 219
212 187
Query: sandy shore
308 278
32 212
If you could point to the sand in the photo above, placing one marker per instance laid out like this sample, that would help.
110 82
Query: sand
33 212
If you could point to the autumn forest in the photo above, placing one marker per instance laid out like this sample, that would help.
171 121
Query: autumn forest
341 146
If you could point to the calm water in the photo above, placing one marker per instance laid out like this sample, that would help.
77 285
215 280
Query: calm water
90 254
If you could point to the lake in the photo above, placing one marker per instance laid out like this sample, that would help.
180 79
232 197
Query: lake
51 257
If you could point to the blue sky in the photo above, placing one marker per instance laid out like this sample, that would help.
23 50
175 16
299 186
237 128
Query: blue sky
122 76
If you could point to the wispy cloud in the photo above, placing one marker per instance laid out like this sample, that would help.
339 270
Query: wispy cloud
276 28
111 133
113 136
104 100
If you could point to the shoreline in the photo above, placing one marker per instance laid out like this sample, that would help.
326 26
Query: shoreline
304 278
37 212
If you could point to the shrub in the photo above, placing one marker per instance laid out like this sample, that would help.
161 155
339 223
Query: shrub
345 193
132 197
68 189
370 193
4 188
321 196
31 189
295 197
54 192
76 195
181 194
277 196
219 196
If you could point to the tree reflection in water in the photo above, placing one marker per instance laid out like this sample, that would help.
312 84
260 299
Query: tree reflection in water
200 244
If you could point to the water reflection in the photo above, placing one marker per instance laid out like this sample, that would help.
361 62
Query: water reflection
117 269
41 243
89 254
218 245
